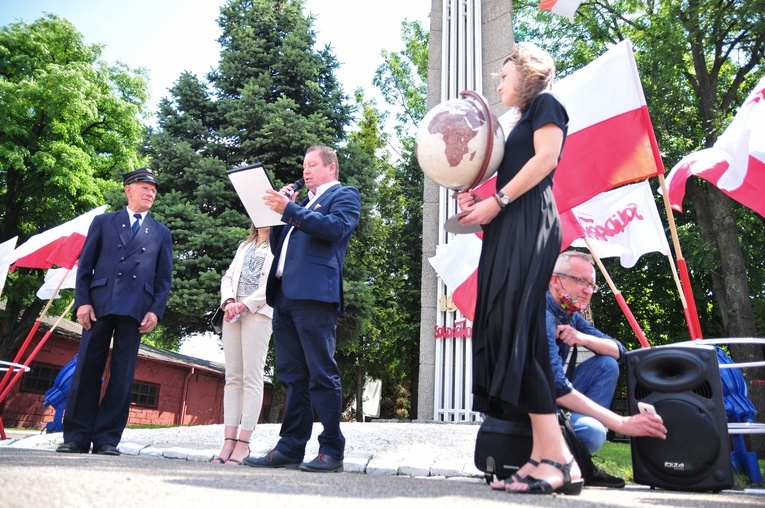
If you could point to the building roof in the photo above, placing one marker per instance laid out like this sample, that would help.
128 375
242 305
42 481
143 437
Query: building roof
73 330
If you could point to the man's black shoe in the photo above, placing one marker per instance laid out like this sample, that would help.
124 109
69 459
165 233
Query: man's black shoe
602 479
323 464
106 449
273 459
72 447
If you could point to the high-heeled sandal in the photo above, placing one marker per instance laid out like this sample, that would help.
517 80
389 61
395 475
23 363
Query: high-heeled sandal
569 487
219 459
502 484
239 462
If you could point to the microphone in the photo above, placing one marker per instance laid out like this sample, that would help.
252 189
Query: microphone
299 184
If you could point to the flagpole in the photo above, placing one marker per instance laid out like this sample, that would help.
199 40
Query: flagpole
678 283
31 357
31 334
689 306
619 298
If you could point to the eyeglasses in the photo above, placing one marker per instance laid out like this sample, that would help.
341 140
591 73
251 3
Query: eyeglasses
580 281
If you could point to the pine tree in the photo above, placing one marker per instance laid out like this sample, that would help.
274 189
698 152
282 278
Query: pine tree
272 96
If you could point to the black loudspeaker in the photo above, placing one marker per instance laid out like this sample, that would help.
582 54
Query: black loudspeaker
683 383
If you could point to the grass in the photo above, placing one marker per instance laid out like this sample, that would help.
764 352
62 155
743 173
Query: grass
616 459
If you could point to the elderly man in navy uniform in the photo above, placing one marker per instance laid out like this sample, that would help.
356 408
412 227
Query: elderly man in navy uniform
123 281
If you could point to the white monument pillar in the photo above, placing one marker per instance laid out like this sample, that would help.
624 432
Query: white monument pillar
469 39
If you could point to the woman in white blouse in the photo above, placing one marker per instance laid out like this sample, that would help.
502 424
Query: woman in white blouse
246 333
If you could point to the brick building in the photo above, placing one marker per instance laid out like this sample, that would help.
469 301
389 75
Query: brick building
168 389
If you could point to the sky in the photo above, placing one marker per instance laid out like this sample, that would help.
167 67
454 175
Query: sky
168 37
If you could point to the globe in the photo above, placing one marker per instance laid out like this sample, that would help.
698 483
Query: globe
460 142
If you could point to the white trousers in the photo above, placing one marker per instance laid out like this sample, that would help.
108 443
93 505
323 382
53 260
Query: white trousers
245 346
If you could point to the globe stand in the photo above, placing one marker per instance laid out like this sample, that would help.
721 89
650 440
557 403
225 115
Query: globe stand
452 224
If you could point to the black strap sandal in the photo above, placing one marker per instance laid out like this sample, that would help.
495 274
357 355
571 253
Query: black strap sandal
219 459
239 462
569 487
502 484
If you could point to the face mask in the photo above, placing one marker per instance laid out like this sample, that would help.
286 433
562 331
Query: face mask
569 303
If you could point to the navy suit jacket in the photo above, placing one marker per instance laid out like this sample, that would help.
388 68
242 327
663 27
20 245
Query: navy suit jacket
122 275
313 268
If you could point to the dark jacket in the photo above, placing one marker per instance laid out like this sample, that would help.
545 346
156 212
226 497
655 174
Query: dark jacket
313 268
121 275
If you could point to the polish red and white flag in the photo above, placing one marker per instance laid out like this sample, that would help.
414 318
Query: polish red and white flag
610 143
736 162
565 8
58 246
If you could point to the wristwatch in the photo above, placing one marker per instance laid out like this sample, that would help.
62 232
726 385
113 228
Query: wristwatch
504 200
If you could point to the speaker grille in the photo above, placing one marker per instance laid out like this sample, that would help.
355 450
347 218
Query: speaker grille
704 390
692 448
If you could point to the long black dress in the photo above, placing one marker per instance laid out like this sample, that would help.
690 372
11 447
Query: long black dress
511 367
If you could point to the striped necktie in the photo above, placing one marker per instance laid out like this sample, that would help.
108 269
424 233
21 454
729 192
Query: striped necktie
137 223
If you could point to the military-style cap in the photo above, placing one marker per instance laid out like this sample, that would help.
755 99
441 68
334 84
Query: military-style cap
140 175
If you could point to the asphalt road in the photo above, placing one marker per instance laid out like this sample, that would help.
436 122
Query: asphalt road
45 479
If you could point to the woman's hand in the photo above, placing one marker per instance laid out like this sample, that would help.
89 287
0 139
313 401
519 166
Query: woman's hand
232 310
479 212
466 199
643 425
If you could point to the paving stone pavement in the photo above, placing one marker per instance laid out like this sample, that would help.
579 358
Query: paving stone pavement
418 448
421 449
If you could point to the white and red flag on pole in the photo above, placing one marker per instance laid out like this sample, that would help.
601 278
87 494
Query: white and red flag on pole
610 143
58 246
623 223
736 162
565 8
610 138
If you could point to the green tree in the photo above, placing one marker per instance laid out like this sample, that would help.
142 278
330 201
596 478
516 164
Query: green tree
697 60
197 202
272 96
71 125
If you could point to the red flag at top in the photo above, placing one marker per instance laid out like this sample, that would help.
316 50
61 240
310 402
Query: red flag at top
59 246
565 8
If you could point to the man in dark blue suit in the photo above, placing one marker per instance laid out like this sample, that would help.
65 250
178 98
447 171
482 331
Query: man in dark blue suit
123 281
305 288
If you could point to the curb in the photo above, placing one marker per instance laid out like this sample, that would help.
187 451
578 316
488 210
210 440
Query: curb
415 466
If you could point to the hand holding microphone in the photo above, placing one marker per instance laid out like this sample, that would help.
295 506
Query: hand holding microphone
299 184
275 200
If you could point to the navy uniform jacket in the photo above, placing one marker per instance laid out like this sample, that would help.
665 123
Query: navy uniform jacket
121 275
313 268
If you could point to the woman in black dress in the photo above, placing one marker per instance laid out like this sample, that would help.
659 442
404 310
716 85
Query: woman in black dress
522 238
